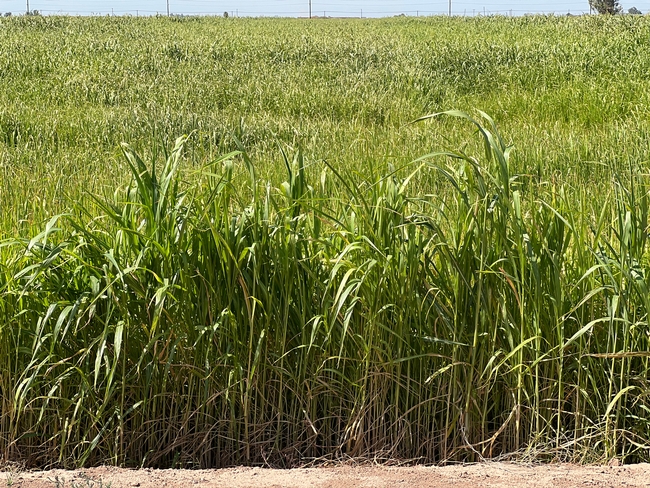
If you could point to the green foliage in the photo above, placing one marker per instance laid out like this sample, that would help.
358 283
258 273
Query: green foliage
610 7
293 280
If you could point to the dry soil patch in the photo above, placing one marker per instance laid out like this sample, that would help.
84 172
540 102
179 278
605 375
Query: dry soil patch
499 475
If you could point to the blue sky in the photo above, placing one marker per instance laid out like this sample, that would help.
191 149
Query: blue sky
295 8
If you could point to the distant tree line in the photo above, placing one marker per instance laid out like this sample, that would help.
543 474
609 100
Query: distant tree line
611 7
606 6
31 12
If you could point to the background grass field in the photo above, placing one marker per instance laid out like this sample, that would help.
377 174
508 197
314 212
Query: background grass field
300 277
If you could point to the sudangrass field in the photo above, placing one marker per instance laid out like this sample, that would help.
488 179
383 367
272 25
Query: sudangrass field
228 241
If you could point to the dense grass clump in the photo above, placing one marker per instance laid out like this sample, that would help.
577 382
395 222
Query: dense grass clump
299 277
191 325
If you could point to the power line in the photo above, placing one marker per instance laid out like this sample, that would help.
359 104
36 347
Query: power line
298 8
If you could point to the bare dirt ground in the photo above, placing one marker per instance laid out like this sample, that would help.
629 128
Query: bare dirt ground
495 475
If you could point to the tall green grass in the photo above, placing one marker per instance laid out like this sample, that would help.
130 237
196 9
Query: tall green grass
293 280
190 322
569 91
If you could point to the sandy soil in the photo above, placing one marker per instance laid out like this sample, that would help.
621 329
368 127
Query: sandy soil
482 475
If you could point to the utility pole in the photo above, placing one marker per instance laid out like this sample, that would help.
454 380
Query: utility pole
449 8
310 9
27 6
167 8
